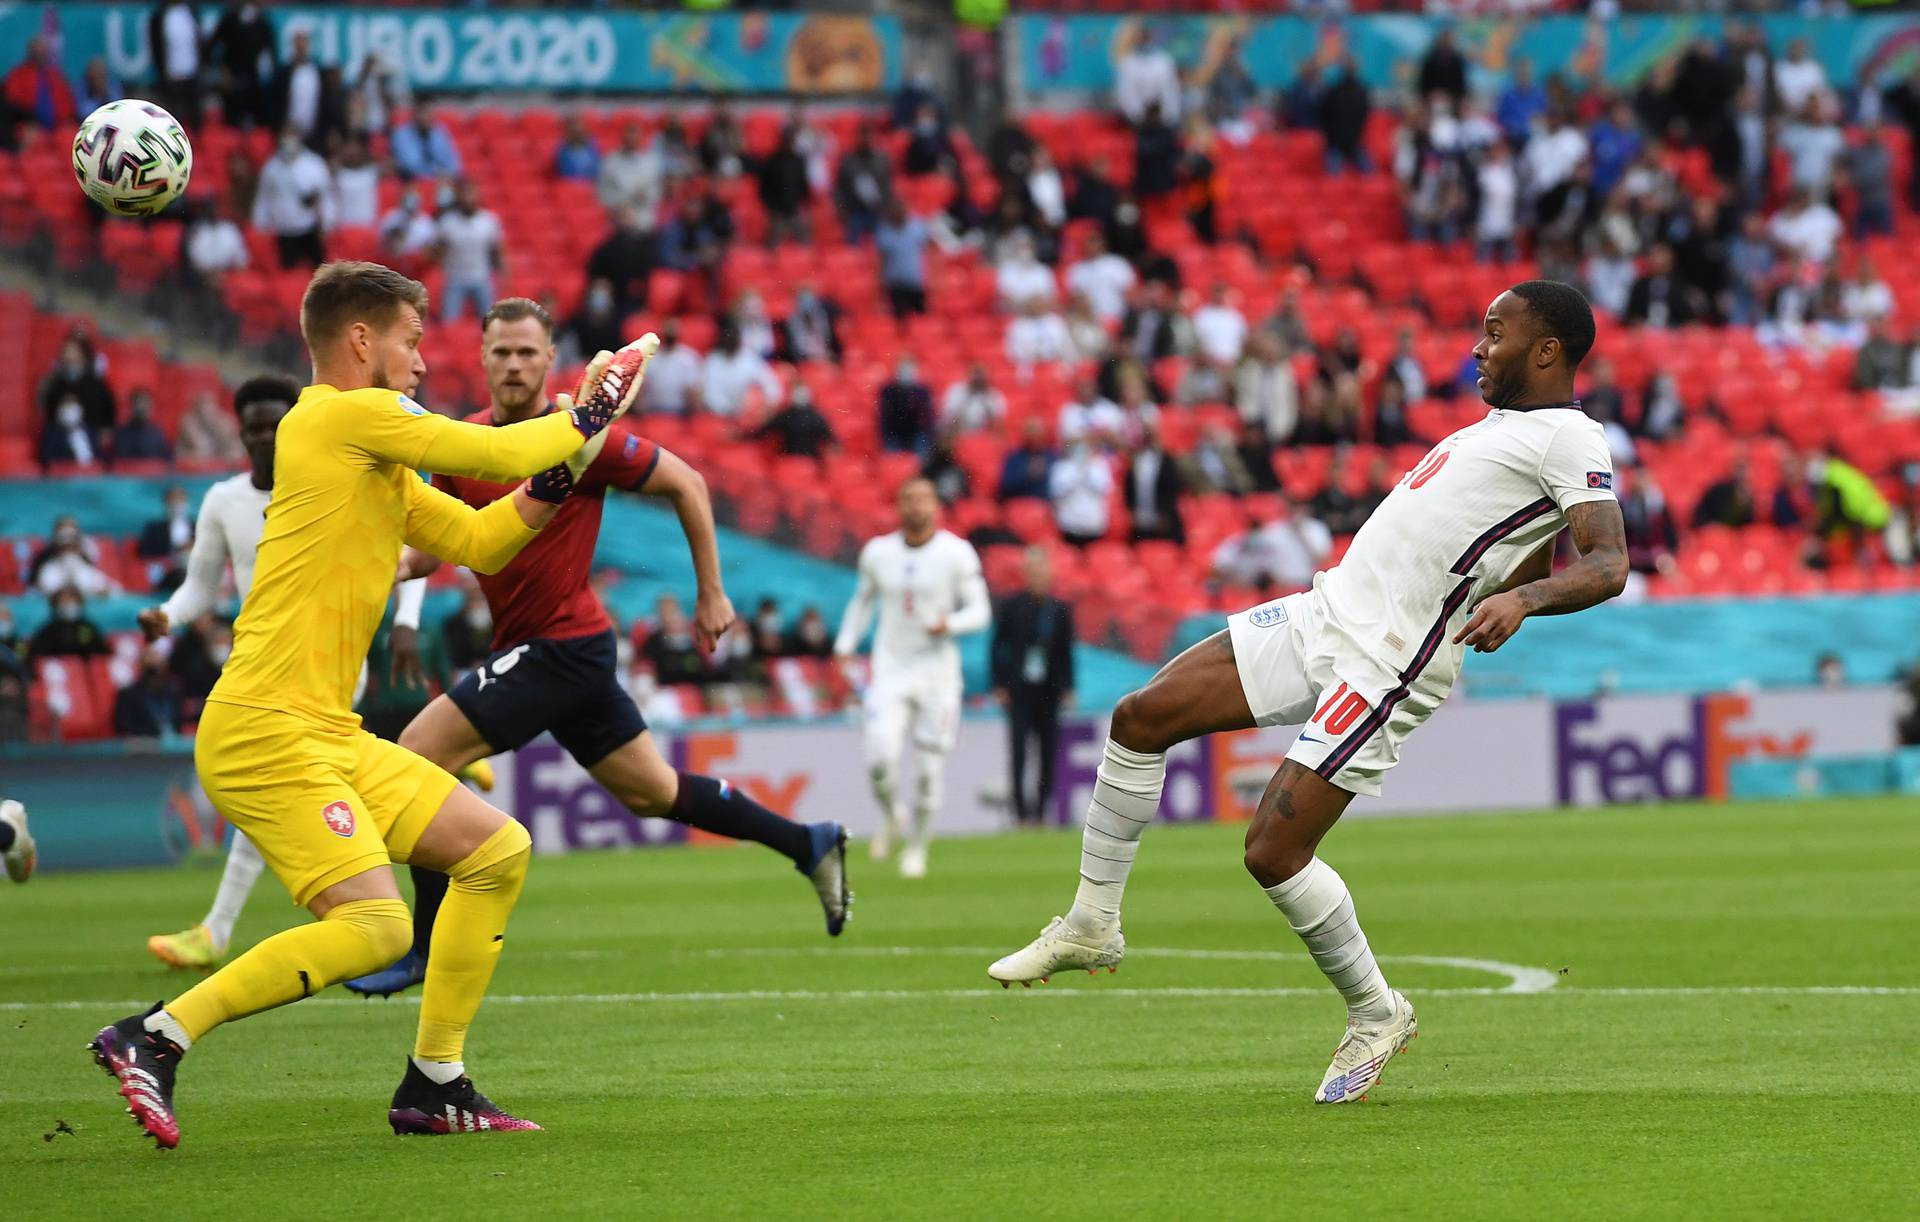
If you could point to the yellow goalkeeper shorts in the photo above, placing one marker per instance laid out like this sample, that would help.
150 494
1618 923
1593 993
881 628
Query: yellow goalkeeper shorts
321 807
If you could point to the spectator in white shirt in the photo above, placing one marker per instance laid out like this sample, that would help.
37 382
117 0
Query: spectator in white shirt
1866 298
1103 277
1138 415
214 244
1609 277
1146 74
300 88
733 374
1553 154
294 184
1091 417
356 184
1266 392
1805 227
1285 552
1079 487
1039 336
408 231
174 41
1814 143
1091 339
1219 329
968 406
674 375
1499 205
1023 278
381 91
470 254
1045 188
1798 77
630 178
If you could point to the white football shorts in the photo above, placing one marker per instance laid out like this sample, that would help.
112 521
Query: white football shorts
1353 711
922 700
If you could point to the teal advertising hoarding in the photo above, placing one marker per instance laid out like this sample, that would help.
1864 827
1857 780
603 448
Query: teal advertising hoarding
1077 53
561 51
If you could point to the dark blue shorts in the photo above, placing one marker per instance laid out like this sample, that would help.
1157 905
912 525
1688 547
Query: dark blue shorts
568 688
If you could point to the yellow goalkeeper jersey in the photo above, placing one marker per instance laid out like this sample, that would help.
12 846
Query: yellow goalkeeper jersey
346 495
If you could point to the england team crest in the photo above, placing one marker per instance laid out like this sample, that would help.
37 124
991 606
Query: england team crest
339 818
1270 616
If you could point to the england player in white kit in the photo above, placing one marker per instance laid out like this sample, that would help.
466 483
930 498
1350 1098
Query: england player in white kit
927 586
1459 555
227 532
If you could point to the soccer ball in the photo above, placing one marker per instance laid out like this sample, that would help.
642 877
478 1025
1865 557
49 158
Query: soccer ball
131 157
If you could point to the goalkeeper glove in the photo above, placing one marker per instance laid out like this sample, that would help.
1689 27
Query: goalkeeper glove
609 387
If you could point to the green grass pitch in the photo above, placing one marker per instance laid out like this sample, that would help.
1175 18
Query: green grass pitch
1732 1030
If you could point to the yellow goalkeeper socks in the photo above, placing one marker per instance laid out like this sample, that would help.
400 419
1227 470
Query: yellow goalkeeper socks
354 938
466 940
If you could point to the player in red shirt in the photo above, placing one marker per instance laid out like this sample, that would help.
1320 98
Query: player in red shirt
553 666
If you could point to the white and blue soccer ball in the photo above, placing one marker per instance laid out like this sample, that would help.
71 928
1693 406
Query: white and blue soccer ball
132 158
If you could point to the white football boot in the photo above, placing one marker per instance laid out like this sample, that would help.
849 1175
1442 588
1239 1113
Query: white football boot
1364 1052
881 846
22 857
1060 947
913 860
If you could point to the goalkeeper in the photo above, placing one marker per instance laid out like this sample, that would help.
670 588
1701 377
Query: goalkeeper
280 753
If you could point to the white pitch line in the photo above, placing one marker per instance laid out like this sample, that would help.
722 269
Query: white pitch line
986 992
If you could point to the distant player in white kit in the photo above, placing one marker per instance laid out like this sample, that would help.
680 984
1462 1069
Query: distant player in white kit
927 584
1459 555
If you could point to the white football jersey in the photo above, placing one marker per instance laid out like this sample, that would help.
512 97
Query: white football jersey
232 516
1455 528
913 589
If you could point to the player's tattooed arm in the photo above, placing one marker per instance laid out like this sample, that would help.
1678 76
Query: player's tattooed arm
1600 536
1532 569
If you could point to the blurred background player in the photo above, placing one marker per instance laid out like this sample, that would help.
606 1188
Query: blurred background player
553 663
1458 555
227 533
281 755
927 585
17 850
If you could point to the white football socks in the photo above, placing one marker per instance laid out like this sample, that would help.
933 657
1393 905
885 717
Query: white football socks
162 1023
930 770
441 1072
1126 793
1318 906
236 883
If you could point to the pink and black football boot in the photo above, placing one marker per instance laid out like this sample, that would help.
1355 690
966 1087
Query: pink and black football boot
425 1108
143 1062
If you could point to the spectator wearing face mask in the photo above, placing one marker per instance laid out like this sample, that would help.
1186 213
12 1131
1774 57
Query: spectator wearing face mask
674 376
408 231
470 254
1080 486
596 328
294 185
163 536
199 654
76 377
812 331
811 636
734 374
69 633
906 412
150 706
768 633
138 438
67 437
798 429
68 562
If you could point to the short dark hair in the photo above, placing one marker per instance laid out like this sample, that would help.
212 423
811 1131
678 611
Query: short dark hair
347 291
1563 313
514 309
267 388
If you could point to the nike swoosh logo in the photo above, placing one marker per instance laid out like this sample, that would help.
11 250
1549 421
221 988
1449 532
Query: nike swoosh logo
1308 738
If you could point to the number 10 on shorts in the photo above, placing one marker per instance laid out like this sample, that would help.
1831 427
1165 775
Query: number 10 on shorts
1338 712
